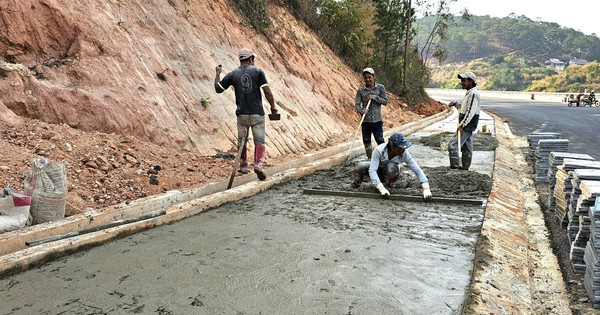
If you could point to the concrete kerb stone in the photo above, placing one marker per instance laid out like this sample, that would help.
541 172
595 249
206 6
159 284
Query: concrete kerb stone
17 256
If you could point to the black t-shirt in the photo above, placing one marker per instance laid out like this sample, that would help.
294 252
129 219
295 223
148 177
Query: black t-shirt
247 80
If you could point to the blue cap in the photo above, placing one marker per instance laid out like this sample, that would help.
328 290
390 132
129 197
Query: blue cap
399 141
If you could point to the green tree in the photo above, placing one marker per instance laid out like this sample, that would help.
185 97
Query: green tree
350 28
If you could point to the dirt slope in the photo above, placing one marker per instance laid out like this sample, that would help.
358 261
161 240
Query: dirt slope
119 90
146 68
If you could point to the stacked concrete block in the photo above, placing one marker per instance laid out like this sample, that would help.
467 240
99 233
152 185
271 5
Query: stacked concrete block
555 159
542 154
591 278
535 137
564 187
580 232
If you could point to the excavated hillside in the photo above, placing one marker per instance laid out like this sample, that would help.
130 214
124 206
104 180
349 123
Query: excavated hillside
146 68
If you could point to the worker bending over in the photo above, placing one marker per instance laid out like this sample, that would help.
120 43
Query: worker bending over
385 164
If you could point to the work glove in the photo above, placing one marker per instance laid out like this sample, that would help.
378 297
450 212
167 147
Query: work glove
384 192
426 192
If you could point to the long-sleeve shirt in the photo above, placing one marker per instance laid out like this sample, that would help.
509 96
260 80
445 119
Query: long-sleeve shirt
380 158
379 98
469 108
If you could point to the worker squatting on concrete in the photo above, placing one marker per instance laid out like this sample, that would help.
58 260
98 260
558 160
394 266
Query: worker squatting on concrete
468 118
385 164
372 124
247 80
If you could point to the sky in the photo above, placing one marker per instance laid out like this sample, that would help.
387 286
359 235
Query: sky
581 15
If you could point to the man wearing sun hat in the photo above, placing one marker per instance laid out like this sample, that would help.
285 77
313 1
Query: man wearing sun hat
247 81
385 166
468 118
372 124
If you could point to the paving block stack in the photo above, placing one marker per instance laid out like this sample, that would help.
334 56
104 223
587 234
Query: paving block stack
535 137
555 159
579 176
590 190
591 279
564 187
542 153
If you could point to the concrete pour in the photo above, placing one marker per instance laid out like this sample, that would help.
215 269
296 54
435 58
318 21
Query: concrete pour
283 252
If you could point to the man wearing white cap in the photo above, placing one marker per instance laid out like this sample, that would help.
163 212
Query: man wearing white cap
376 94
247 81
468 118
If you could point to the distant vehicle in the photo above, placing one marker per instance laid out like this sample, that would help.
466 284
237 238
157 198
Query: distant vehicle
589 101
581 99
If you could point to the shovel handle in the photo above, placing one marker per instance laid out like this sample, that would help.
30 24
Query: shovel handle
236 164
358 128
459 144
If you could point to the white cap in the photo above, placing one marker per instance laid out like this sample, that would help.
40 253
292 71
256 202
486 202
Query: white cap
368 70
467 75
246 53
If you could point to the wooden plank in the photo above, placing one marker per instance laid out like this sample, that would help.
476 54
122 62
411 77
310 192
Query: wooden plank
477 202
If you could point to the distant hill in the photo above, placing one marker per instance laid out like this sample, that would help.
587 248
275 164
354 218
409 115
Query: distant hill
485 36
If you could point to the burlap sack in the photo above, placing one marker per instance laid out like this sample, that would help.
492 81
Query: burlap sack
46 183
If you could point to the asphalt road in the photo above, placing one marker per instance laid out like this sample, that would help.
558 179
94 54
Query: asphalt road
580 125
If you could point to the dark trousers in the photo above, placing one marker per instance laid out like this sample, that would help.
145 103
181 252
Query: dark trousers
374 129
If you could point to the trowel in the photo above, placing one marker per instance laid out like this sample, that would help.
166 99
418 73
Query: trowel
274 116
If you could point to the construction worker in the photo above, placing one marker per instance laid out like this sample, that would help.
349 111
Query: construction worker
468 118
373 122
385 164
247 80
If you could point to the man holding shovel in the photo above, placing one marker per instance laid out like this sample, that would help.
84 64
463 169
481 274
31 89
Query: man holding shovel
367 103
247 81
468 118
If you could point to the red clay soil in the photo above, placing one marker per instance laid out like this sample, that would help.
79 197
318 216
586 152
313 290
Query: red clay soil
108 169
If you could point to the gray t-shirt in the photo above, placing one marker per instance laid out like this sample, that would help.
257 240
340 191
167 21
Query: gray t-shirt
247 80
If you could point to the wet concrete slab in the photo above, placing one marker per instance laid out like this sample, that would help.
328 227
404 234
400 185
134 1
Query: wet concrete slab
280 252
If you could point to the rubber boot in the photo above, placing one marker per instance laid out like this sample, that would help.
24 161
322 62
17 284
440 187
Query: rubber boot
244 160
466 162
454 162
369 152
259 154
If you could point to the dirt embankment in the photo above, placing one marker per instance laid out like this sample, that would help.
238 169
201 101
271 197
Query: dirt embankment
125 92
146 69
